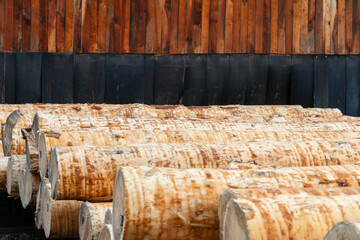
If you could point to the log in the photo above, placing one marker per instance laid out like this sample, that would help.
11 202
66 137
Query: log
72 169
88 172
256 193
28 186
15 164
344 230
108 216
299 216
165 203
3 169
106 232
60 219
106 138
22 118
91 219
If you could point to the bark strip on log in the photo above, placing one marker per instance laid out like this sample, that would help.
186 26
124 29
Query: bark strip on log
298 216
28 186
32 152
256 193
91 219
106 232
165 203
344 230
16 163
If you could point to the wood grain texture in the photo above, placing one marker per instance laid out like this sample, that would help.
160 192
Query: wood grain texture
163 27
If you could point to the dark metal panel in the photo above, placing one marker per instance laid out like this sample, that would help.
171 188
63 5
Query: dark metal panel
302 80
258 76
194 84
2 78
235 87
57 77
217 71
28 77
278 86
321 83
9 75
125 78
149 79
169 79
353 85
89 78
337 84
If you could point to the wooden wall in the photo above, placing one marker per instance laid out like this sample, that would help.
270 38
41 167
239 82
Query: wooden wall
181 26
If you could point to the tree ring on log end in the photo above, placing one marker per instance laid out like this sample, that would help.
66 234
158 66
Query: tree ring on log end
119 206
85 221
344 230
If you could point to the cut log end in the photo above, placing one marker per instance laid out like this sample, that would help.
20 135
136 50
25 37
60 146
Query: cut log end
36 126
85 222
235 223
44 204
9 175
344 230
53 172
108 216
119 205
15 164
37 218
225 197
43 159
31 185
106 232
7 131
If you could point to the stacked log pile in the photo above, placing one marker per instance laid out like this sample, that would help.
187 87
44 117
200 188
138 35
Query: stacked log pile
175 172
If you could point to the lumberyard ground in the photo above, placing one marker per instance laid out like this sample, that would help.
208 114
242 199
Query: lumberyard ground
97 171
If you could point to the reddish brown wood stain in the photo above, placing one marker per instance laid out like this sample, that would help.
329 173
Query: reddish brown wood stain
181 27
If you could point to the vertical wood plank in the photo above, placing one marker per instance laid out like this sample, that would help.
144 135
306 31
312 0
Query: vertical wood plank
236 27
251 26
182 26
150 27
165 8
274 29
101 41
174 16
17 25
125 35
117 25
26 20
189 26
158 27
348 26
259 26
85 34
329 19
2 20
341 27
8 28
319 27
213 26
35 25
69 25
244 23
266 26
221 26
141 27
93 26
77 25
297 25
311 27
134 18
356 27
51 26
281 27
229 18
60 25
289 7
197 26
43 47
205 25
110 11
